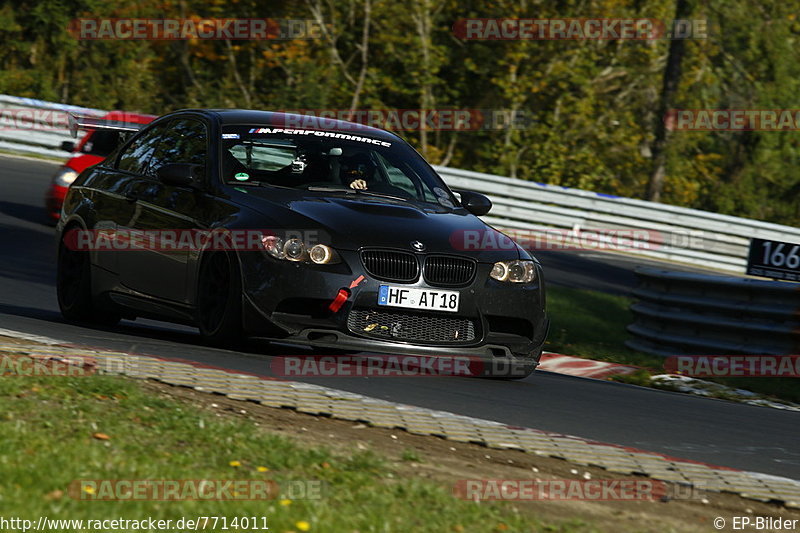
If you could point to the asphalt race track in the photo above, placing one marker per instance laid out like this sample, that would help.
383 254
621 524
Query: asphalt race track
713 431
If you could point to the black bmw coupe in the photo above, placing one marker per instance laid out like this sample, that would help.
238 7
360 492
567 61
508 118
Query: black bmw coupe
336 235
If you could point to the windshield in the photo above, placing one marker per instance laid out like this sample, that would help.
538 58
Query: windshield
309 159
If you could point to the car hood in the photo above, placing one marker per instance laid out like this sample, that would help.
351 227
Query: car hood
350 222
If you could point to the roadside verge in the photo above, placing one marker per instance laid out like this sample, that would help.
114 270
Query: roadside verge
317 400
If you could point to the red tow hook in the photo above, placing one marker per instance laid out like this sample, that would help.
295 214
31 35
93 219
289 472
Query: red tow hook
343 295
338 302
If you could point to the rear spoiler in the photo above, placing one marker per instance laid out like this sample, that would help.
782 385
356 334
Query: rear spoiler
77 122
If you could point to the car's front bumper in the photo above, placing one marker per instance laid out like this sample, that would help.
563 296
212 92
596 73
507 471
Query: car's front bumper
291 301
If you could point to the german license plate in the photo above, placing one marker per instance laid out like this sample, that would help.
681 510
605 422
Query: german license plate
412 298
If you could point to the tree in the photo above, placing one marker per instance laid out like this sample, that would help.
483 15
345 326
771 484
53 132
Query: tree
672 78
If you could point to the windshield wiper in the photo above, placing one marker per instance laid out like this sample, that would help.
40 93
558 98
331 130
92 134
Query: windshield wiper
381 195
316 188
348 190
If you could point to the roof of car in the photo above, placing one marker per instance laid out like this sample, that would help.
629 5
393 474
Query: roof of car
228 117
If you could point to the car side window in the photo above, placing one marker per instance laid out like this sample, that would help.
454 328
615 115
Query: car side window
135 158
185 141
405 178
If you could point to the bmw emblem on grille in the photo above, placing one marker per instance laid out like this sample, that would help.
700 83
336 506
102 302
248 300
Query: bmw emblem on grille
418 246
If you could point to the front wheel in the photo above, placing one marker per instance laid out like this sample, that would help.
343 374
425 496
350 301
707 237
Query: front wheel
74 288
219 302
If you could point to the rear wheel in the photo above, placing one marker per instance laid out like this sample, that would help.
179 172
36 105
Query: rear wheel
74 288
219 304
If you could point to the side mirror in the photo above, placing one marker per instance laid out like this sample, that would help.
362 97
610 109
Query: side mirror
178 174
475 202
68 146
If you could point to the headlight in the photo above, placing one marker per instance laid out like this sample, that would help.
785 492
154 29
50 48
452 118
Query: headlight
65 177
273 246
514 271
499 271
296 250
321 254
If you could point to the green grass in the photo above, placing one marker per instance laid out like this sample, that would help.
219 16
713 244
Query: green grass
48 439
592 324
781 388
32 155
411 455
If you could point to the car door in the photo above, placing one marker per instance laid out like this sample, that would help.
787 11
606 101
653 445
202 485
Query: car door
115 209
168 215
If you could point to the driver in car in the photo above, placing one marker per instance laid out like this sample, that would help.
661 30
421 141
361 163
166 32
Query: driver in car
359 171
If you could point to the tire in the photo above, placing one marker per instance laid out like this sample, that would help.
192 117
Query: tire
219 302
74 288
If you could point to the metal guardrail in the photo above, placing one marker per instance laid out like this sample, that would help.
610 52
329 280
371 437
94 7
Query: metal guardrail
681 313
525 208
672 233
31 126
